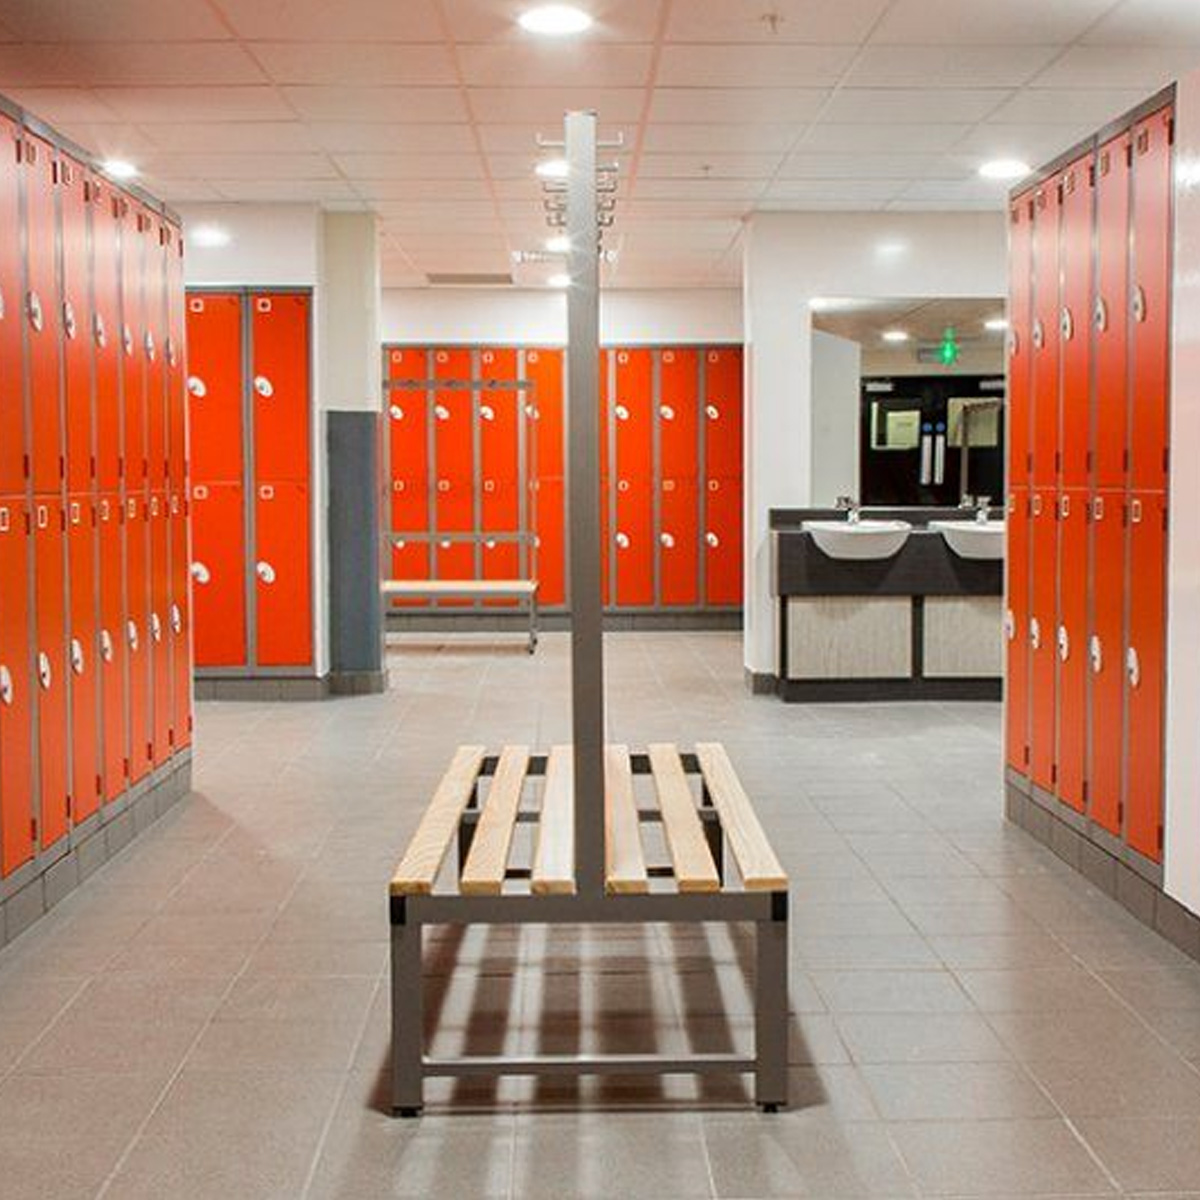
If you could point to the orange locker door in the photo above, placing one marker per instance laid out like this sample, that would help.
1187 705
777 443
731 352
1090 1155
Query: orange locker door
1071 648
408 453
162 685
13 449
453 560
1020 319
1107 692
173 354
86 766
16 688
408 365
214 384
135 232
550 543
41 314
1110 314
283 575
76 322
607 498
180 624
1016 632
410 560
544 369
112 646
50 573
679 448
1075 256
723 412
500 428
1043 613
723 541
1045 406
137 635
1145 673
633 473
1150 301
105 331
454 453
279 340
154 350
218 570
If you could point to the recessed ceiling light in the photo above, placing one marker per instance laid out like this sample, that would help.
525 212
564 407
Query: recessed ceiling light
895 335
996 324
891 249
118 168
209 236
559 244
1005 168
554 20
559 281
553 168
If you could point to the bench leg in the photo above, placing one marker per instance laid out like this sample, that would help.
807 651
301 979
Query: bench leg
533 624
407 1020
771 1009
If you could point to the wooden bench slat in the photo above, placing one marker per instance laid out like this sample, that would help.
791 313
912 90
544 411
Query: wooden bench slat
695 870
554 858
483 872
760 869
426 851
625 868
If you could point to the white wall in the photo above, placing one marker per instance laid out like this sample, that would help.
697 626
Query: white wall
836 388
516 316
790 258
1182 817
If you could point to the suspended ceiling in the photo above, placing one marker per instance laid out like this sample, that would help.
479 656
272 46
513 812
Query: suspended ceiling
427 110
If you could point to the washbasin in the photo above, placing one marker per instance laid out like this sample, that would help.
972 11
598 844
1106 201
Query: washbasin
972 539
858 539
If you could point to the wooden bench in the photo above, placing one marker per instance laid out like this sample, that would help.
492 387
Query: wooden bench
523 590
718 866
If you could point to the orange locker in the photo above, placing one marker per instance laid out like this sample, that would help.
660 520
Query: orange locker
13 462
632 471
1146 678
454 455
607 368
1075 257
1150 301
162 684
112 645
544 369
279 338
723 541
173 354
76 323
679 512
1016 632
17 838
218 570
1110 318
137 634
1071 648
679 543
135 232
1107 691
500 424
1045 407
86 751
549 546
500 560
723 413
180 624
634 541
41 307
106 331
214 348
51 642
1020 319
454 560
408 364
410 560
1043 613
410 505
153 349
283 575
408 430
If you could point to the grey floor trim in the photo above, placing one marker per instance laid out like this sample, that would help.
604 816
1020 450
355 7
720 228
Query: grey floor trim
263 688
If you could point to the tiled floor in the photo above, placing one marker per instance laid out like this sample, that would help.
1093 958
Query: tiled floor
208 1016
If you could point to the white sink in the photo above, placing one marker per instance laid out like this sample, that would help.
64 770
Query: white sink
972 539
859 539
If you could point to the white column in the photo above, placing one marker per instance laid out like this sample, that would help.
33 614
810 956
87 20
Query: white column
349 341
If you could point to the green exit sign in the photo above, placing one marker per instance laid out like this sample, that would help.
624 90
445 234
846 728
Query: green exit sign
949 351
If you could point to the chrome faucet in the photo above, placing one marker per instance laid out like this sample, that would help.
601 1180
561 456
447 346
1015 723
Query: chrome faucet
849 506
981 509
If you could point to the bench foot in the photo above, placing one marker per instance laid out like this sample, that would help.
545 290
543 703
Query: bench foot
407 1113
770 1108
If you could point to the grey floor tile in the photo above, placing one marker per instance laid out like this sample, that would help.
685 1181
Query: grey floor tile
963 1091
920 1038
1147 1155
891 991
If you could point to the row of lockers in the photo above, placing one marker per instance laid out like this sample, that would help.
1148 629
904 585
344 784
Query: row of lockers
95 662
477 472
249 402
1088 464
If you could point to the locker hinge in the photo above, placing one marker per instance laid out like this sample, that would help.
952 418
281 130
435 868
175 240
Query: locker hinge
1129 154
1121 814
1054 772
99 785
70 807
1029 460
125 767
33 829
1161 839
1125 461
1058 462
1170 142
1025 755
1085 792
1090 461
1091 175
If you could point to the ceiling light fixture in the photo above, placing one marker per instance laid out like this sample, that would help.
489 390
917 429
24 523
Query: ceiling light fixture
119 168
559 281
895 335
996 324
209 236
554 20
891 249
1004 168
559 244
552 168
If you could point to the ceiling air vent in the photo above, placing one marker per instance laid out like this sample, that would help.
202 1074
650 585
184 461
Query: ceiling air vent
469 279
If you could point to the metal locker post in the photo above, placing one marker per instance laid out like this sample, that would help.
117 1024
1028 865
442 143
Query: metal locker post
159 626
1075 257
14 447
1016 633
1043 621
1020 321
51 668
1047 316
112 650
17 840
453 469
1106 667
678 428
83 658
219 570
1070 647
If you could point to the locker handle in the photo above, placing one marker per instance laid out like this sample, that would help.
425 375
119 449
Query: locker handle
43 516
1100 315
489 485
176 619
127 340
3 310
264 571
1096 654
441 412
77 663
1064 507
1064 644
172 354
45 674
1039 334
666 412
1135 512
622 413
155 627
623 540
7 694
1066 324
106 646
262 385
1035 633
396 412
131 634
1139 304
667 540
487 412
1098 509
196 387
1014 343
712 539
712 412
1133 667
33 307
1010 625
1036 505
532 412
68 317
622 485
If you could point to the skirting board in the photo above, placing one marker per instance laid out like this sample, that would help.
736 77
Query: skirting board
86 854
263 687
1105 871
614 622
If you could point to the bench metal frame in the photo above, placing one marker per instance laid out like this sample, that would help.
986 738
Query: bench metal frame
476 589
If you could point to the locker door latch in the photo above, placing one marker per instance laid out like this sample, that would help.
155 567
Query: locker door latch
623 540
1133 666
1035 633
712 412
131 634
176 619
667 540
172 353
155 627
33 307
396 412
1039 335
45 674
1139 304
106 646
487 412
127 340
1010 624
196 387
2 306
441 412
76 656
622 413
68 312
1096 654
99 333
200 573
1064 644
666 412
1100 315
6 685
1066 325
265 571
263 386
712 539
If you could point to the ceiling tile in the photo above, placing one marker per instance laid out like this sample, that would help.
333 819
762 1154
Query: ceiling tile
1069 106
426 189
815 21
948 66
545 106
367 64
708 166
523 166
703 105
753 66
376 104
352 137
701 139
987 22
1029 143
848 191
411 166
284 191
344 21
175 104
1146 67
239 137
185 191
807 165
1148 22
982 190
881 139
136 64
496 20
109 141
697 189
239 166
909 105
498 65
127 21
522 139
63 106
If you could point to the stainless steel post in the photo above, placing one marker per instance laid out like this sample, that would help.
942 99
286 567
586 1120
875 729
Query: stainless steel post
407 1017
587 641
